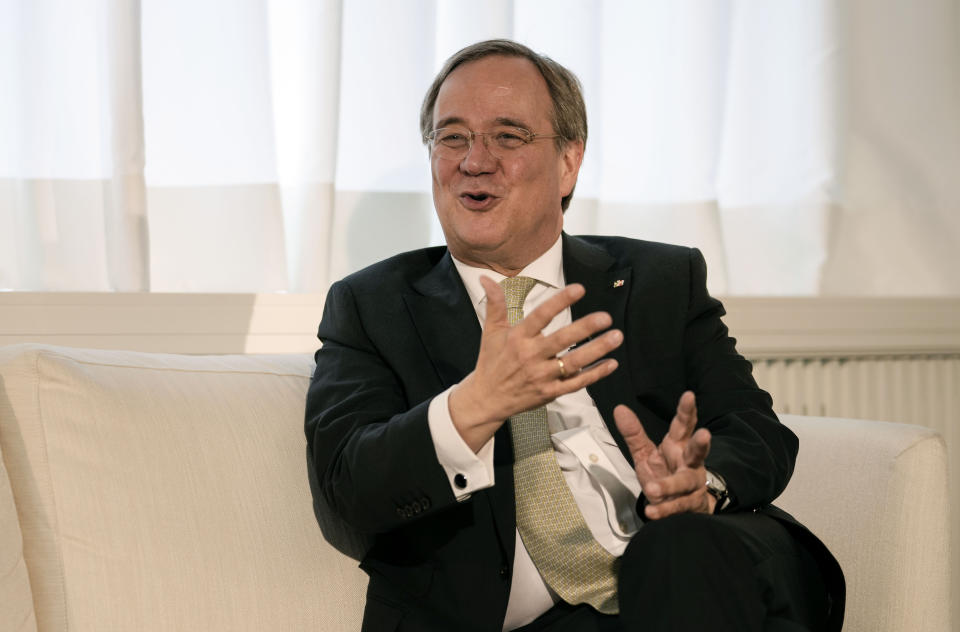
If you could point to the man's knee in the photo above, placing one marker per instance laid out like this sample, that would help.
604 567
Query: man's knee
686 571
687 536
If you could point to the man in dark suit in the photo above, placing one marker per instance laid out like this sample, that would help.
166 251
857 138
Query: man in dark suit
597 456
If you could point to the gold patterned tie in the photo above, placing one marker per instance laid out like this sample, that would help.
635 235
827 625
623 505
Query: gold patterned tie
558 540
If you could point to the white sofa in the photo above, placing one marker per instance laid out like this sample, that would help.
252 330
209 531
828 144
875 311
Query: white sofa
167 492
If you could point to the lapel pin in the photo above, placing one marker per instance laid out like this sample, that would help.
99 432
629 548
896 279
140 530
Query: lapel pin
618 283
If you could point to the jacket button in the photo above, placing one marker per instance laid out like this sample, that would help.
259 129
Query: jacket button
460 481
504 571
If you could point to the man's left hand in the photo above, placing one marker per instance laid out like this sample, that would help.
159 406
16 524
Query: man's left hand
672 475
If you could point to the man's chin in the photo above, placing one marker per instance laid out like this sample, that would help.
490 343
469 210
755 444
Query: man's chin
477 250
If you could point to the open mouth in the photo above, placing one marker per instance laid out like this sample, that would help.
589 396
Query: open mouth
477 200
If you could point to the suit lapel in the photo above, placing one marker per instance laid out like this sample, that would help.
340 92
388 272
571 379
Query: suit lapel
442 312
608 287
447 325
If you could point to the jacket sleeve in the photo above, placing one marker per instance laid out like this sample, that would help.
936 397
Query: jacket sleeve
750 448
370 447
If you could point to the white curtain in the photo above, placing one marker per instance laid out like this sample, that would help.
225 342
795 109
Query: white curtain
72 200
806 146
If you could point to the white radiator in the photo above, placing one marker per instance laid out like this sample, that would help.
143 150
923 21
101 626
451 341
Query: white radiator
920 389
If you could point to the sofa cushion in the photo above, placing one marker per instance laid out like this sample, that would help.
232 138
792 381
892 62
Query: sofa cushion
164 492
17 610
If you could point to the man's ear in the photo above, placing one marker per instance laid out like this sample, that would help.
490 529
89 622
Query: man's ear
569 165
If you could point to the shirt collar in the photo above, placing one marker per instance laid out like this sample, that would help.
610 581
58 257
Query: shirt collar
546 269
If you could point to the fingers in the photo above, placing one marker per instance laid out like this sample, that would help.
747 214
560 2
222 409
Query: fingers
697 502
633 433
583 377
585 355
684 491
581 329
696 450
534 322
547 348
685 420
676 485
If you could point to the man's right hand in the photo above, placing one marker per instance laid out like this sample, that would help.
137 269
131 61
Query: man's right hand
517 368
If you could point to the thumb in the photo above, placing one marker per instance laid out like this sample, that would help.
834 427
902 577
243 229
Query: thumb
633 433
496 304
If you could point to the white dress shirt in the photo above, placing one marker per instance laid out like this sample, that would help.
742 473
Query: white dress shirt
586 452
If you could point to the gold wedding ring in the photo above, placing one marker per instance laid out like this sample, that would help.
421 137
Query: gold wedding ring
563 370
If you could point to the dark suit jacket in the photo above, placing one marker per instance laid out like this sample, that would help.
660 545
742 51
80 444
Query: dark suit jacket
399 332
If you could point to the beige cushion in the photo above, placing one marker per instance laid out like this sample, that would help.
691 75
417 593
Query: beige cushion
16 601
876 494
161 492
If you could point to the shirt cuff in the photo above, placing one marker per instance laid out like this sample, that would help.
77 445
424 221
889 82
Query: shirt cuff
467 472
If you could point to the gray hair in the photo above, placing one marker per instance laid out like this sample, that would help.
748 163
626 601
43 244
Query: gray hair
569 117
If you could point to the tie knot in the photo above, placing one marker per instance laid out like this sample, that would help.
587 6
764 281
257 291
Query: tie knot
515 290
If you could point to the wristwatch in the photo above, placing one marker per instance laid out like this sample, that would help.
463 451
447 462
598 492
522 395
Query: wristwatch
717 487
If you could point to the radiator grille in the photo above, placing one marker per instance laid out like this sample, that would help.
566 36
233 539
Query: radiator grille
917 389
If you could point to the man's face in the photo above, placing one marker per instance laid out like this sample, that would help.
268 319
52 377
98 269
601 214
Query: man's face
501 213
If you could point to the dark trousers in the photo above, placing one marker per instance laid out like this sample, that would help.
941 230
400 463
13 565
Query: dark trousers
740 572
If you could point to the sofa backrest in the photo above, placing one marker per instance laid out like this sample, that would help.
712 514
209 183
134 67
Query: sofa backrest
166 492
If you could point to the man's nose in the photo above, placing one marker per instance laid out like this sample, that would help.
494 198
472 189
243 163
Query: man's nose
478 158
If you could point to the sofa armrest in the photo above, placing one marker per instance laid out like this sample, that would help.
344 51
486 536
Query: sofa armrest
876 494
